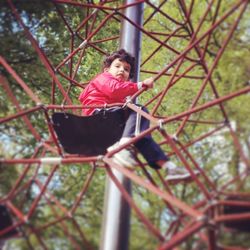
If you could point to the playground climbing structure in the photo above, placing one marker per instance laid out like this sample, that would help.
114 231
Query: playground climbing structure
177 47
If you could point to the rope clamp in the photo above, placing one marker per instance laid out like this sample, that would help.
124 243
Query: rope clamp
161 124
83 44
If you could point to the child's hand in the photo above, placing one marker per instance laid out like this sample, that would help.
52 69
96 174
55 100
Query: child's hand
149 82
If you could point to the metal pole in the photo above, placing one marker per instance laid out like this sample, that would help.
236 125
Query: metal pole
130 35
116 216
2 243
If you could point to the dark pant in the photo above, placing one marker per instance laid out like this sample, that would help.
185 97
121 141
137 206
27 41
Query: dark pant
150 150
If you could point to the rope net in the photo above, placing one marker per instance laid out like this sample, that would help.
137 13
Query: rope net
193 117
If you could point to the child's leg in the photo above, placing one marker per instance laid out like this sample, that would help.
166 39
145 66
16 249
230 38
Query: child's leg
150 150
146 146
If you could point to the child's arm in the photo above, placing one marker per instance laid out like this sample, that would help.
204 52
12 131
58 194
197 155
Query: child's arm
148 83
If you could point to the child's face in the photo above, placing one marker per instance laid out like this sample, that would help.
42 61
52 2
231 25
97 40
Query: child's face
119 69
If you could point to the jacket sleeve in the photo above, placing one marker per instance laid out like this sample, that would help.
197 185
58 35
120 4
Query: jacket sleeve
115 89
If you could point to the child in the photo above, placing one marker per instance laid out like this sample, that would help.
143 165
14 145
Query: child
113 86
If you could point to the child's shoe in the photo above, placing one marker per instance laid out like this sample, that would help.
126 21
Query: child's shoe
124 157
175 174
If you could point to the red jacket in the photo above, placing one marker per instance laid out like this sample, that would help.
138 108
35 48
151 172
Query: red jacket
106 89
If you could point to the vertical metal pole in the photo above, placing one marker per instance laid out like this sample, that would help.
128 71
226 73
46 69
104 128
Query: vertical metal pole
131 36
2 242
116 216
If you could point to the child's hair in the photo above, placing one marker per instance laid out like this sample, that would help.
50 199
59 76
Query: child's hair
123 55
